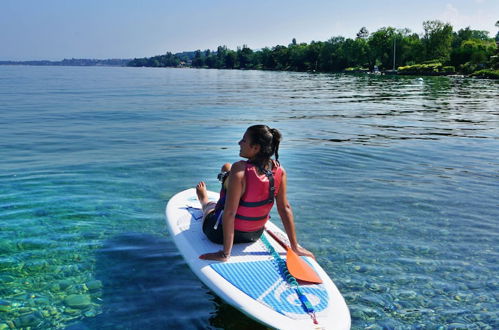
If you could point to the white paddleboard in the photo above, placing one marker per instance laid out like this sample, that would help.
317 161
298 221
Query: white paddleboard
250 280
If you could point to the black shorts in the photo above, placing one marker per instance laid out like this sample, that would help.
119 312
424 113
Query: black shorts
217 235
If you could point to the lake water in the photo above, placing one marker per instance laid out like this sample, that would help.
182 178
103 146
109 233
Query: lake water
394 183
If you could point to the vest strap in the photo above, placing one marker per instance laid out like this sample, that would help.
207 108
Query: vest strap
254 204
242 217
270 176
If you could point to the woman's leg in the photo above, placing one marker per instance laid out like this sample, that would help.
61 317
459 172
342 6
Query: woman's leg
247 237
206 205
214 232
202 194
226 167
201 188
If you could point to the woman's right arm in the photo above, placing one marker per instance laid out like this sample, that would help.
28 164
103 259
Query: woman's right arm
234 193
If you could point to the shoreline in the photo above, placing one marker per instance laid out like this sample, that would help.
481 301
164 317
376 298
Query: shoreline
481 74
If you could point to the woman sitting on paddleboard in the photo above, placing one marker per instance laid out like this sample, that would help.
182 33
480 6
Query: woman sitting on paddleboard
248 196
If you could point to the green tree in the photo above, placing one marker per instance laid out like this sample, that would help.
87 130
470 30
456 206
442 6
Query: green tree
280 55
471 49
230 59
138 62
297 57
437 40
467 34
221 55
332 58
267 59
411 50
197 61
363 33
312 55
472 53
381 47
354 53
244 57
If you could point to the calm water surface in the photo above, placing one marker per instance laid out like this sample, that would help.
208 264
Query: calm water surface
394 183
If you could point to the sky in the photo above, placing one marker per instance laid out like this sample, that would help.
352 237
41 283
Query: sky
103 29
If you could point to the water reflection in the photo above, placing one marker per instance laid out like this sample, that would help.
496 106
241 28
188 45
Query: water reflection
146 285
378 110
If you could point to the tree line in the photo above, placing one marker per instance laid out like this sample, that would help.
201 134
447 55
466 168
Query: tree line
465 50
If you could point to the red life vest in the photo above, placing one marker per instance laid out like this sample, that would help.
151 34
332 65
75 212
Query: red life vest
255 204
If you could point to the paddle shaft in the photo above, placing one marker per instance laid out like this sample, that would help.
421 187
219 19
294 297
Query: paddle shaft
277 239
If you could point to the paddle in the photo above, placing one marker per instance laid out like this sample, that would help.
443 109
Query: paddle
296 265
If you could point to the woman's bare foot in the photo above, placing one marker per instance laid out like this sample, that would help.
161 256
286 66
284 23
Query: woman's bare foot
202 193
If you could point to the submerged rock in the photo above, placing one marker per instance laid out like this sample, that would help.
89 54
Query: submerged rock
456 326
407 294
8 264
5 306
35 265
7 279
29 320
361 268
55 287
375 287
90 235
41 301
64 284
90 313
79 301
6 247
40 213
93 285
389 324
72 311
32 244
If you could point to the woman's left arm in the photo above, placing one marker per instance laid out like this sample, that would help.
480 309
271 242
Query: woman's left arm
286 214
234 193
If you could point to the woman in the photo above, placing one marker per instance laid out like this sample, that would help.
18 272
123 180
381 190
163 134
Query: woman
249 196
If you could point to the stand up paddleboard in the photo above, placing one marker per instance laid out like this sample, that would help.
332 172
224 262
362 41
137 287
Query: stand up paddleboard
252 279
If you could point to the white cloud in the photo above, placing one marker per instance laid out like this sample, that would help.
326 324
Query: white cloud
477 20
451 14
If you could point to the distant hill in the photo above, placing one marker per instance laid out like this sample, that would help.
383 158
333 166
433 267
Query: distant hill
186 56
72 62
172 59
167 60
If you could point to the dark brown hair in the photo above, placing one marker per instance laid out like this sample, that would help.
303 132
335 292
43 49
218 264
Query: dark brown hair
268 139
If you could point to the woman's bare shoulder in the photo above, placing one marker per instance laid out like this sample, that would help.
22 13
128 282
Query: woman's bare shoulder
239 165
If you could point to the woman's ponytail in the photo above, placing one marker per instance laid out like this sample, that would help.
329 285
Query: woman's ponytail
276 140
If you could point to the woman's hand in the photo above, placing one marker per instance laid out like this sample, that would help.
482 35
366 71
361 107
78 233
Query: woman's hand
301 251
216 256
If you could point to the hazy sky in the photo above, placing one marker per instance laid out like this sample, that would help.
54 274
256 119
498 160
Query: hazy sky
58 29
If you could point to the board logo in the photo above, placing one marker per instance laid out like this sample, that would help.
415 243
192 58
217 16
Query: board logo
283 298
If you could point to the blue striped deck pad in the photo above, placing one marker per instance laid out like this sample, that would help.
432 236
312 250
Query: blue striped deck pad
262 281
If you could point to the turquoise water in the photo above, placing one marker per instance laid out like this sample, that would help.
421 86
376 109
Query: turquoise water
393 181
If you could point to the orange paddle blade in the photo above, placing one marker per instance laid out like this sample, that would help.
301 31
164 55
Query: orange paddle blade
300 269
